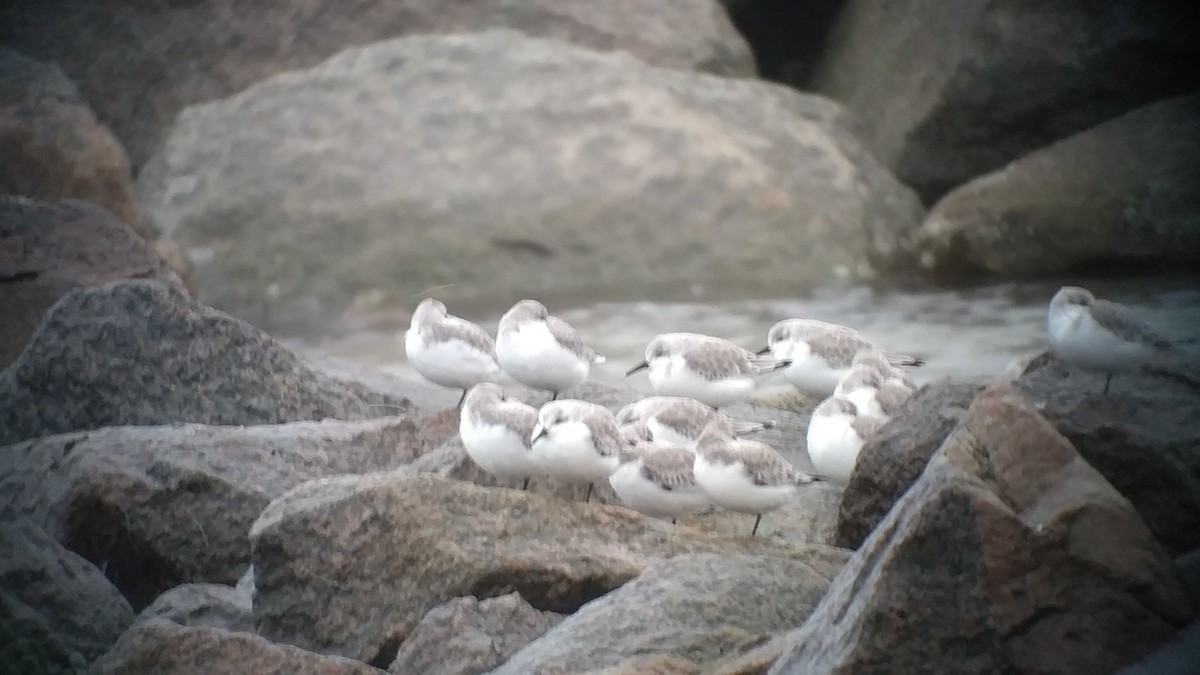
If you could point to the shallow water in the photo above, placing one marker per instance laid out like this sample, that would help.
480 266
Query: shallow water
971 334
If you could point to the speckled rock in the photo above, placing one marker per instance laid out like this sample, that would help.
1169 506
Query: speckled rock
696 607
54 148
467 636
1010 554
227 49
349 565
1143 436
1073 206
893 460
163 646
48 249
951 90
54 598
140 352
661 664
562 171
156 507
207 605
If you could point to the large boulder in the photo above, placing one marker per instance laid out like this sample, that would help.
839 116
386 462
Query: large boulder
1121 193
1010 555
140 352
349 565
156 507
53 147
55 607
511 166
891 461
48 249
951 90
126 56
468 635
163 646
695 607
1143 436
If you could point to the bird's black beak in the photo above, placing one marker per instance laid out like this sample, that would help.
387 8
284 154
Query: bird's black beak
539 432
764 351
641 366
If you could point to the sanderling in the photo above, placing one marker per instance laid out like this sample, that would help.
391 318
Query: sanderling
878 362
496 433
576 441
657 479
742 475
836 434
872 392
1102 336
542 351
821 352
449 351
675 419
709 369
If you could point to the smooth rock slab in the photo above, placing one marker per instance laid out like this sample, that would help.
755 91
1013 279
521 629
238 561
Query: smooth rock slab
468 635
142 353
156 507
349 565
163 646
1010 554
54 598
695 607
513 167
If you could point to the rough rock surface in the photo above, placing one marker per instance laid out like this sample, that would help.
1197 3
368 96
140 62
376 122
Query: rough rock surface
140 352
163 646
156 507
207 605
893 460
1010 554
349 565
697 607
228 49
1143 436
1124 192
530 167
48 249
468 635
951 90
54 597
52 146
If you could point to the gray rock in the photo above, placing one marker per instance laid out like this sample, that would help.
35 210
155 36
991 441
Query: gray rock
349 565
163 646
139 352
949 91
59 608
559 170
467 636
209 605
1143 436
1123 192
1010 554
228 50
48 249
697 607
156 507
54 148
1178 657
893 460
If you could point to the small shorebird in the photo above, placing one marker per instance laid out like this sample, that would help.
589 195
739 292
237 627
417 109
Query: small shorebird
711 370
836 434
449 351
496 433
676 419
657 479
542 351
873 392
821 353
576 441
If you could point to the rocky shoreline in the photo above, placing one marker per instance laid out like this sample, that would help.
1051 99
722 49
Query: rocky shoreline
980 532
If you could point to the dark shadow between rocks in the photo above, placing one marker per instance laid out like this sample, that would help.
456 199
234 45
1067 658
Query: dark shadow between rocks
544 589
787 36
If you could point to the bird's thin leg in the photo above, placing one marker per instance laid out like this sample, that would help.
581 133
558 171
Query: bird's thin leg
460 400
554 396
525 485
673 521
757 520
1107 381
588 498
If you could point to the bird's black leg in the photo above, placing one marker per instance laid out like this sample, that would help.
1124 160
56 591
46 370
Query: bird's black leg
1107 381
554 396
588 498
757 520
672 521
460 400
525 486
